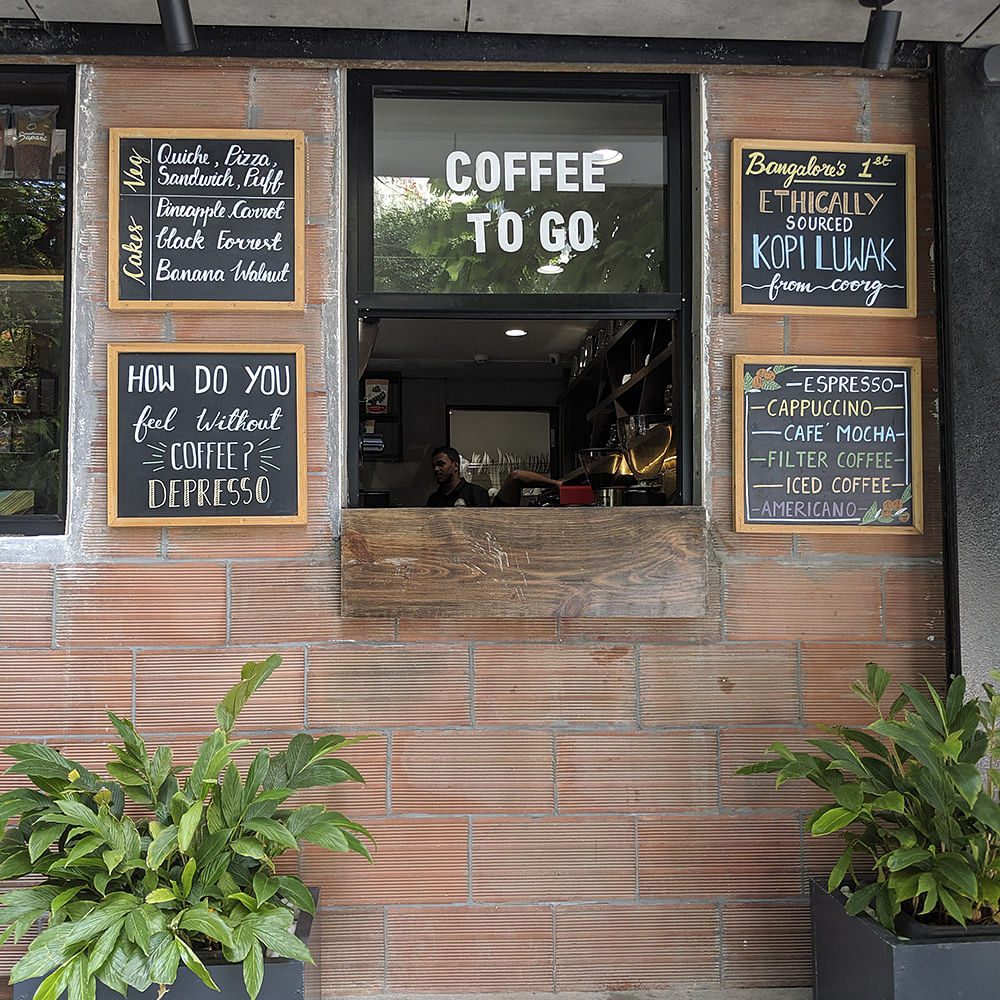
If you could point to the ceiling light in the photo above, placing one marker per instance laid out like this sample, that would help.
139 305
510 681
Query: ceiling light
516 333
880 40
606 157
550 269
178 28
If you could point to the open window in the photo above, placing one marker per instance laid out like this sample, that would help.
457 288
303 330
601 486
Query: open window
36 112
519 243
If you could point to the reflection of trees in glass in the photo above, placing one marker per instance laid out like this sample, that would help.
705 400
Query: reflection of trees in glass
32 226
31 325
424 242
401 216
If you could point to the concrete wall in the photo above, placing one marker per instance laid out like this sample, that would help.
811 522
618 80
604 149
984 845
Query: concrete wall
554 799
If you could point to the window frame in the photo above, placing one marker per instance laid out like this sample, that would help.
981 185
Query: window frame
674 91
63 79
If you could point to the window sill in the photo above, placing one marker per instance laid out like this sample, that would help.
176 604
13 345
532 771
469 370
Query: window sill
571 562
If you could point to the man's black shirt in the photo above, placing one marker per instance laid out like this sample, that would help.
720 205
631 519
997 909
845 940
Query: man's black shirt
465 494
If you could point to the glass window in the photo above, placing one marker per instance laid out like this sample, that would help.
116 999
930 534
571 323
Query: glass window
497 196
36 110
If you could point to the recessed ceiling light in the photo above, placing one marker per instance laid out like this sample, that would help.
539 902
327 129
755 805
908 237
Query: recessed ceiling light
516 333
550 269
608 156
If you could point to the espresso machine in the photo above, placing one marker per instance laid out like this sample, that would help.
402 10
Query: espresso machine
646 443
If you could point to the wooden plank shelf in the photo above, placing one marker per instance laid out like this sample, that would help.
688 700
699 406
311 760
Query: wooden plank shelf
569 562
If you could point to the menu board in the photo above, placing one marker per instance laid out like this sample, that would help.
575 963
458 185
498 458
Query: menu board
823 227
206 434
827 444
206 220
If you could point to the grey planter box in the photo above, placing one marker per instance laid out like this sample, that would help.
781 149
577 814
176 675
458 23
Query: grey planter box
856 958
284 978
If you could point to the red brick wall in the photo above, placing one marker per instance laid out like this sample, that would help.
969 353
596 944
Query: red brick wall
554 800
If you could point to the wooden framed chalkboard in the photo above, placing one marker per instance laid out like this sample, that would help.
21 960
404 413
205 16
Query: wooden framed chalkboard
206 219
206 434
827 444
823 227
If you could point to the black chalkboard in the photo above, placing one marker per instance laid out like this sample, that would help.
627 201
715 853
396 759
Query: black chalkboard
824 227
206 434
827 444
206 220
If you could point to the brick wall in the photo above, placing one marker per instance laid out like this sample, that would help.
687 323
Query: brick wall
554 800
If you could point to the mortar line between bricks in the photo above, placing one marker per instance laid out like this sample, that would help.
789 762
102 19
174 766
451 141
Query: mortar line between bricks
305 685
55 611
555 953
555 774
385 948
229 602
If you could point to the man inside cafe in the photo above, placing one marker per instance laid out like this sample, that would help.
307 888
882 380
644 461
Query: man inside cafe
453 490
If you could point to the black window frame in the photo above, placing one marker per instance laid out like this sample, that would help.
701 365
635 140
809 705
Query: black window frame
673 90
48 81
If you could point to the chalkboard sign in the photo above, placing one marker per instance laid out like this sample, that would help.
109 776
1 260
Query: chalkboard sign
206 434
828 227
827 444
206 220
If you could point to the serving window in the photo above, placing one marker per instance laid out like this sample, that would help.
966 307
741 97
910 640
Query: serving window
519 275
520 243
36 114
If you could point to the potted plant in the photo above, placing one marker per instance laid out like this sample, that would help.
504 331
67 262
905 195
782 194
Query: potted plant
914 794
148 873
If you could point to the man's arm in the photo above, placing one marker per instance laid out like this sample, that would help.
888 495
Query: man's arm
509 494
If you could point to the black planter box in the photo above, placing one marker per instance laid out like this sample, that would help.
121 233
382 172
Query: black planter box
283 980
856 958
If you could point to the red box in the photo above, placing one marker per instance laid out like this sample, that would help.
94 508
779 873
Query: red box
575 496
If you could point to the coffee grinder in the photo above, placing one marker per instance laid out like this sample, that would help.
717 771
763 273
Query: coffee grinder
608 474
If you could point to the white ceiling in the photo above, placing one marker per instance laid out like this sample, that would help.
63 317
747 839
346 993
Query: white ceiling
462 339
972 22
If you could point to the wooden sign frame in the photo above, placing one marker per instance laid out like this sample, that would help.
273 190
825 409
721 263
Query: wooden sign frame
872 518
116 248
115 354
872 151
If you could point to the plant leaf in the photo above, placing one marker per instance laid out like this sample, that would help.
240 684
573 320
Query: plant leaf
231 796
830 820
295 891
283 942
195 964
188 826
253 675
249 848
42 838
860 898
161 847
273 831
164 959
204 921
253 970
839 872
905 857
52 985
187 877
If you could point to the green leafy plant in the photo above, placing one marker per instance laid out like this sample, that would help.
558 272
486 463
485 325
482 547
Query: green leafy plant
131 895
914 792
